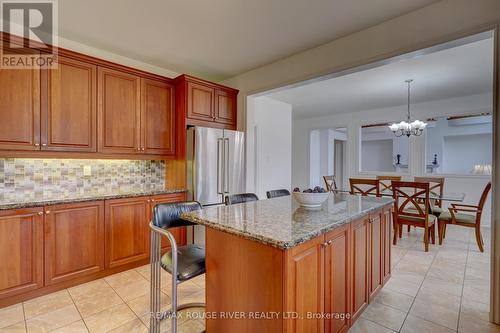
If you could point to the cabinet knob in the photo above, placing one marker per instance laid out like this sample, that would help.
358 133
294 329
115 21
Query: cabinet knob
142 148
327 243
139 149
37 144
44 144
47 212
40 213
149 200
153 200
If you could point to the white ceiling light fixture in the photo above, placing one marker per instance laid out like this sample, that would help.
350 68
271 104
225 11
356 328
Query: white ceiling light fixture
408 127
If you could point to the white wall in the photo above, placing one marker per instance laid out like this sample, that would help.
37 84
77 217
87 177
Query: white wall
461 153
273 153
471 185
377 155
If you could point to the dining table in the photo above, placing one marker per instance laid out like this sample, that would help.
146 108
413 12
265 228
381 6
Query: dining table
446 196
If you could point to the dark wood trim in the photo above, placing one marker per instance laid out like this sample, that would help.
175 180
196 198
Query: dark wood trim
189 78
80 155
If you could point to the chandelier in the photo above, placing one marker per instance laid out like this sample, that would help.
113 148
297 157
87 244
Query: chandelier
408 127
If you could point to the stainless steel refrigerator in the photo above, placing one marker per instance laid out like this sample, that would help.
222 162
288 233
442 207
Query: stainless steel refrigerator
216 167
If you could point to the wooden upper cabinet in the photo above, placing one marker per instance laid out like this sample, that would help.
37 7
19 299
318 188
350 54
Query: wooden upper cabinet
21 250
225 107
205 103
69 115
360 232
20 109
337 279
74 240
157 117
127 231
376 253
200 104
119 111
305 271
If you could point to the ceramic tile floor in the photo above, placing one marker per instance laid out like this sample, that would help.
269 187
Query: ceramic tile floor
443 290
117 303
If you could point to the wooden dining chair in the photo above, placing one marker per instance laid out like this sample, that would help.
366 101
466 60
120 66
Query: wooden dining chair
330 182
408 210
460 214
436 188
386 182
365 187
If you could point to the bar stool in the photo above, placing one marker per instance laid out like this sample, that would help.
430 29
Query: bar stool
277 193
240 198
184 262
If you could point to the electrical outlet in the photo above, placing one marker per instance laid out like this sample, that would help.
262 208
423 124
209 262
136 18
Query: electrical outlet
87 170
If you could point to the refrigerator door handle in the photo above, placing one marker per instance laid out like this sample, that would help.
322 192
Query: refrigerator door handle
220 166
226 165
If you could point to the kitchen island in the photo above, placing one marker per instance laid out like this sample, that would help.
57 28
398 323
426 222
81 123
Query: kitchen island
273 266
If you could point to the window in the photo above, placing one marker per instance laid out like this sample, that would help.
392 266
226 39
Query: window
459 145
381 151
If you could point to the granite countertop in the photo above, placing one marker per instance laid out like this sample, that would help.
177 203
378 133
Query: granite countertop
281 222
28 201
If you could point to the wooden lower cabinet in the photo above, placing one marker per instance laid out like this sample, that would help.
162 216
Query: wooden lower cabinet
326 281
376 258
127 231
21 250
305 287
360 233
387 229
74 241
337 280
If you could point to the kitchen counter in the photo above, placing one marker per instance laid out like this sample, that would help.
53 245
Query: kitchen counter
54 199
281 222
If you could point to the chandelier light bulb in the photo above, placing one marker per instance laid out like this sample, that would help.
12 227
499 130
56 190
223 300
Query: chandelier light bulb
408 128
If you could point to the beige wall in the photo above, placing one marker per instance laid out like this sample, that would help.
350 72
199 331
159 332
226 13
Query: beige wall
436 23
427 26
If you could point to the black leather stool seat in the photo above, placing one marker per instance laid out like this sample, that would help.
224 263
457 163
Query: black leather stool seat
190 261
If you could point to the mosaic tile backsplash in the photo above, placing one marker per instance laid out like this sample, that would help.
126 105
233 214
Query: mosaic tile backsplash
25 179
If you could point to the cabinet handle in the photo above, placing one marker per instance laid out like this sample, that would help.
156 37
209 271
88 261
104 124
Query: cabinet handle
37 144
47 212
44 145
40 213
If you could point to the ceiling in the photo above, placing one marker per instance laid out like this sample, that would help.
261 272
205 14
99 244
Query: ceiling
453 72
218 39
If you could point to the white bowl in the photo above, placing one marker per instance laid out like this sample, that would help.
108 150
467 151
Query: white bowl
310 200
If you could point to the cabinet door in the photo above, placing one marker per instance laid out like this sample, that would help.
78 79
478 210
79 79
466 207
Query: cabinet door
200 103
157 117
21 250
74 241
178 233
337 277
119 111
376 252
387 229
69 115
127 231
360 282
305 271
20 109
225 107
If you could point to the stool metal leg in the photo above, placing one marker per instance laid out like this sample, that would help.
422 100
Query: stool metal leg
154 323
156 314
